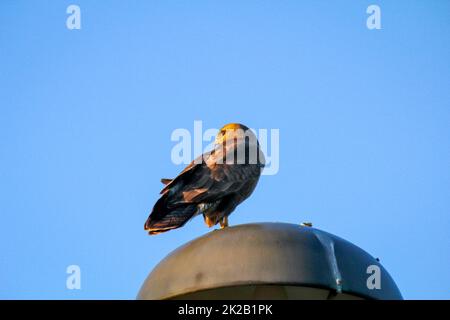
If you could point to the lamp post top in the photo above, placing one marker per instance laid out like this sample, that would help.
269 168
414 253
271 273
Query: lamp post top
279 254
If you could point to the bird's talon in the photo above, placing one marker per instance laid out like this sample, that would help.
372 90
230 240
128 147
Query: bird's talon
224 222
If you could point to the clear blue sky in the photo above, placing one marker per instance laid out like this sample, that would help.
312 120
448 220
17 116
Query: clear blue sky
86 118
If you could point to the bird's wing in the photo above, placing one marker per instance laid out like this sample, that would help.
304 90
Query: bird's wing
186 172
208 181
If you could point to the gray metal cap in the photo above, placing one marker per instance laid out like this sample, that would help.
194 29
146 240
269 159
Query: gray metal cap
231 262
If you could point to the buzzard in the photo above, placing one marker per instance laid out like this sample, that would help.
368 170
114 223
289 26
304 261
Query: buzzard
213 185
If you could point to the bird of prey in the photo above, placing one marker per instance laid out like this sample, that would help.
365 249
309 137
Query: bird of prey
213 185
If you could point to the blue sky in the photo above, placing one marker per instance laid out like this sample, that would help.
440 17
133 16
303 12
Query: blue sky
86 119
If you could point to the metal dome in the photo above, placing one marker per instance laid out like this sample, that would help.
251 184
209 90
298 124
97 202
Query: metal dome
267 260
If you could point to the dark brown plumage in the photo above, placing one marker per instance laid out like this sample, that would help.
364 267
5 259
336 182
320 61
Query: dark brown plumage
213 184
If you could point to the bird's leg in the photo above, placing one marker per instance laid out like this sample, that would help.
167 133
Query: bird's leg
224 222
209 222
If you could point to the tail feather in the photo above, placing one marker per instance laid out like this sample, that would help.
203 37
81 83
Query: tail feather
163 219
166 181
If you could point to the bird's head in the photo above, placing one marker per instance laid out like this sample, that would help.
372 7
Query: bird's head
232 131
241 142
